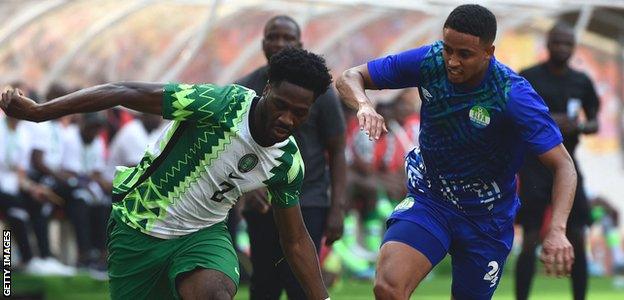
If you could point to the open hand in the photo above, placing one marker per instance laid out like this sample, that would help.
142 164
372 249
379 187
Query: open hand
371 122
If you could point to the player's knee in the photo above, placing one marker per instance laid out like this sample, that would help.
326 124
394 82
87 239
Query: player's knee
385 291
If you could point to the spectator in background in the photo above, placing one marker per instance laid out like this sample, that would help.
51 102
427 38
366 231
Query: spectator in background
14 186
365 187
45 138
322 142
566 92
376 177
48 146
607 256
402 137
90 202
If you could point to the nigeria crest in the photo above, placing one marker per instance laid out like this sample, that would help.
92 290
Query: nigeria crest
247 162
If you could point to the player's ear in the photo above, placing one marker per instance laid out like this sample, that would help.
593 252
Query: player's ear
490 51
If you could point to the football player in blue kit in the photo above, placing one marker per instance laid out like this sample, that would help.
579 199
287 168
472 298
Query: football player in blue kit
478 118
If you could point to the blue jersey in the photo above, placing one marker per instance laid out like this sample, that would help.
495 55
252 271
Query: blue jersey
471 142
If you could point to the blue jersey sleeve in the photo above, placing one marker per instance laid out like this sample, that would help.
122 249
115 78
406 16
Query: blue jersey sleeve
398 71
531 118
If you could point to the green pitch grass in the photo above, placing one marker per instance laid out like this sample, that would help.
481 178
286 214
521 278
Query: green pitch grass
435 287
439 288
83 287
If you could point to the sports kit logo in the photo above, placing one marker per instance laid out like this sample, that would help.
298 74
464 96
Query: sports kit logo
479 116
406 204
247 162
426 94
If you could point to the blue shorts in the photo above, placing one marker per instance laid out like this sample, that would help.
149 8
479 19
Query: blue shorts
478 246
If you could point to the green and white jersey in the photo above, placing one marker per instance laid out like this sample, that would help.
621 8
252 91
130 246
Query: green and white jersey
212 161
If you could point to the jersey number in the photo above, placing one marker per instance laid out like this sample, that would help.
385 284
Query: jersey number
218 195
492 275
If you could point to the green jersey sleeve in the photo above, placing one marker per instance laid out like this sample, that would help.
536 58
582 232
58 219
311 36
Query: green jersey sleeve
199 102
284 186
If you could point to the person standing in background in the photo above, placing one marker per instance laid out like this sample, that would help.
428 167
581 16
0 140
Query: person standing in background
323 133
566 92
43 159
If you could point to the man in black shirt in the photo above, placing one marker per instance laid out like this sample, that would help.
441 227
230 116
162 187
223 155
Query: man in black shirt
566 91
321 140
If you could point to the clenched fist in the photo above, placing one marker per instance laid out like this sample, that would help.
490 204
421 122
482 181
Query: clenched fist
16 105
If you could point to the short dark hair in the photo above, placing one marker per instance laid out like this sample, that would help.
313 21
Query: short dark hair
473 19
283 18
300 67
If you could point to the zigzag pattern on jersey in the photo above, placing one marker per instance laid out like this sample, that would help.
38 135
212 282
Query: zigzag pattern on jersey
290 170
446 131
194 152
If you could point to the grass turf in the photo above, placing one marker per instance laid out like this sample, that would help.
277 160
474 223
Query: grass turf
439 288
83 287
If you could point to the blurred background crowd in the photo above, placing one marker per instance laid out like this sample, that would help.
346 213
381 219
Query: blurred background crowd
56 176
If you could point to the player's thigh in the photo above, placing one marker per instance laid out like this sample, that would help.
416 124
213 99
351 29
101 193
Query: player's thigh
408 253
137 264
478 260
205 284
207 253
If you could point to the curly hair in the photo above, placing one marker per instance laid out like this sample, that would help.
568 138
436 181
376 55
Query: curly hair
473 19
300 67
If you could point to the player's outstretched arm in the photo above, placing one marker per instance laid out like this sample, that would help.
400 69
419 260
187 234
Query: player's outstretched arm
351 85
140 96
299 250
557 252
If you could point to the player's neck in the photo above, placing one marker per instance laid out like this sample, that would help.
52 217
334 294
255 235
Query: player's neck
257 117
